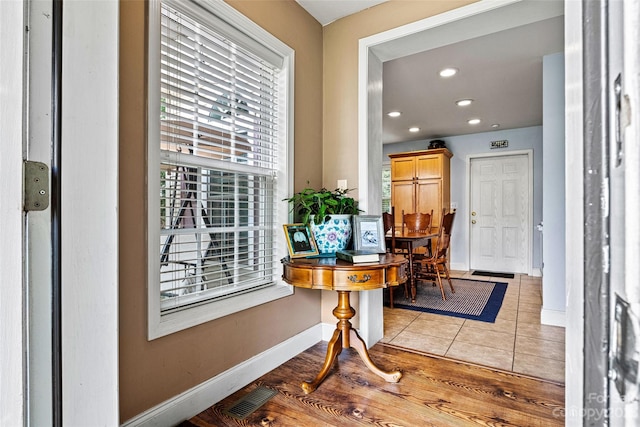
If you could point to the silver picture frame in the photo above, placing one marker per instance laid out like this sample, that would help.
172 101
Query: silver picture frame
368 233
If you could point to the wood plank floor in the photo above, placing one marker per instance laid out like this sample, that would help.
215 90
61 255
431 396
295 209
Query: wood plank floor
432 392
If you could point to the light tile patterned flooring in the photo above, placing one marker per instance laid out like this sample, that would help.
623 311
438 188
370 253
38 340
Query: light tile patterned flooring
515 342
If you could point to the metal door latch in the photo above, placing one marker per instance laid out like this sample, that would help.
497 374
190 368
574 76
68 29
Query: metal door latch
36 186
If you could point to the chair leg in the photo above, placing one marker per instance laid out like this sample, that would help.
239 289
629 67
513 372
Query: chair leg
444 298
446 271
391 296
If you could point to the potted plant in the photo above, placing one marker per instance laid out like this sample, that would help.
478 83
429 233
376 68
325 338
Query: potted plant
328 213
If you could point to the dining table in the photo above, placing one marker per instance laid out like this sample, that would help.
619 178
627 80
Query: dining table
410 241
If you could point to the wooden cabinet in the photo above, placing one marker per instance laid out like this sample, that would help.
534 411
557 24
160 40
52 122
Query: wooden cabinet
420 182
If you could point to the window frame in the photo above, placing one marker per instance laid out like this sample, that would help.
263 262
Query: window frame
245 32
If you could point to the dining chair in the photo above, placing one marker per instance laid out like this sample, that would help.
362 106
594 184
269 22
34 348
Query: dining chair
413 223
389 224
418 222
434 267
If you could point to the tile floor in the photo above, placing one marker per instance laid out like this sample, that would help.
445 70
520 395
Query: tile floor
515 342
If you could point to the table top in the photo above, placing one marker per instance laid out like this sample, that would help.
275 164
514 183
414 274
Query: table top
411 235
330 273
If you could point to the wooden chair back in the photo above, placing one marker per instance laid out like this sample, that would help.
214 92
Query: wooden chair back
389 224
444 235
418 222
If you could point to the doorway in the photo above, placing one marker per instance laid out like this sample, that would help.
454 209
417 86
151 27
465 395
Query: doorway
403 41
373 52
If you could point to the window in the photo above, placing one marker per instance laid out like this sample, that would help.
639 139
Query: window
386 187
218 156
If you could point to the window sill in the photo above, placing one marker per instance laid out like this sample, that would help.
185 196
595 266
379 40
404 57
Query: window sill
161 325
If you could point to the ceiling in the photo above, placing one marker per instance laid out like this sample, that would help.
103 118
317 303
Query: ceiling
327 11
501 72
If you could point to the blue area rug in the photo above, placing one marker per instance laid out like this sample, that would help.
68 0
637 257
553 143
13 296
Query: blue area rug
474 299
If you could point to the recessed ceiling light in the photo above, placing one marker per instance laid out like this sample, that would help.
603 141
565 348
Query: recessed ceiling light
448 72
474 121
414 129
495 125
464 102
394 114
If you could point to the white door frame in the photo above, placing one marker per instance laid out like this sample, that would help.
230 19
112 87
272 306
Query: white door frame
529 154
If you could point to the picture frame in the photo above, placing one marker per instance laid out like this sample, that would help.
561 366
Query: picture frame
300 241
368 233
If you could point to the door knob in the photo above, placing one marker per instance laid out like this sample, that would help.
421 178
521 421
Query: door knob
473 213
473 222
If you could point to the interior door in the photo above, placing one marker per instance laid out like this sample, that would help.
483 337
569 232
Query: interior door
499 214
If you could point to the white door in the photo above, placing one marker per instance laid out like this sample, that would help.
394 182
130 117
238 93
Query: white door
624 175
12 297
500 214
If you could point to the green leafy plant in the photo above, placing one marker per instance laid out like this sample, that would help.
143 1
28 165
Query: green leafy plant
317 205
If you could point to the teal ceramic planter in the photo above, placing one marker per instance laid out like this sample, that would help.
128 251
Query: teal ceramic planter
334 235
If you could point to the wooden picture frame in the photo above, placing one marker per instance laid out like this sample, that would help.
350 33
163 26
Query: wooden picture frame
368 233
300 241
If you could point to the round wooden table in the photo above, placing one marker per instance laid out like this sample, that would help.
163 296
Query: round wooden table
344 277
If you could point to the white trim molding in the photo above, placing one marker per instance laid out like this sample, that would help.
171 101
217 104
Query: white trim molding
13 301
552 317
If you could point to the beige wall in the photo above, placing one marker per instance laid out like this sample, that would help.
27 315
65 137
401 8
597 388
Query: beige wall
153 371
340 110
326 103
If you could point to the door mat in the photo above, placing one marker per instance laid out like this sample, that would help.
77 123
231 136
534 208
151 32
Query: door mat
473 299
493 274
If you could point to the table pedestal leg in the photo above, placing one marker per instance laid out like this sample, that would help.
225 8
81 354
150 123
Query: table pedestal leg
361 348
344 337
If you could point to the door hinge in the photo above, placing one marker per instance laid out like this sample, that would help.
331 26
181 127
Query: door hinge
36 186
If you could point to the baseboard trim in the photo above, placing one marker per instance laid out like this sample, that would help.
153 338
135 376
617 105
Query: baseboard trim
327 331
192 402
553 317
536 272
458 266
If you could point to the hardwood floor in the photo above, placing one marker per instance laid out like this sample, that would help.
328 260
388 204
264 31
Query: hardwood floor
432 392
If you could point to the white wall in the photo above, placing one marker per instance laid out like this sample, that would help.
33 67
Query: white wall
553 201
464 145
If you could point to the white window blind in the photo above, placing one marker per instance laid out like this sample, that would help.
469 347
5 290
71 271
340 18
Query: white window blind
386 187
218 163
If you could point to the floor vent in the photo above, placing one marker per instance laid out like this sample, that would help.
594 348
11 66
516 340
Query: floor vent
249 403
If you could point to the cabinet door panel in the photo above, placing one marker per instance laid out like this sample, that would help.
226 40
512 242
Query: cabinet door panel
429 166
402 198
403 169
428 197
